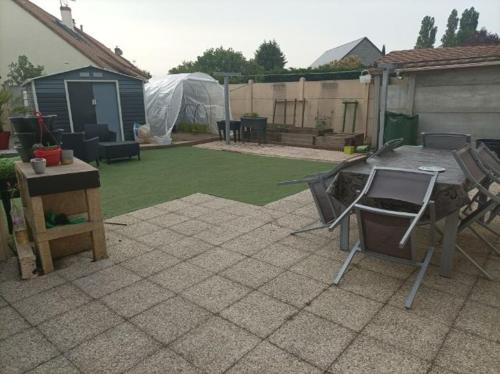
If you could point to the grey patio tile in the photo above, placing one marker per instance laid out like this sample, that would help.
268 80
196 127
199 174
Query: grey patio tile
77 325
486 292
215 345
370 284
113 237
246 210
245 224
9 269
73 267
106 281
127 249
493 267
136 298
175 206
313 339
161 237
459 284
217 235
114 351
216 217
162 362
217 203
170 319
58 365
186 248
389 268
167 220
308 210
14 290
215 293
466 353
24 351
295 222
138 229
259 314
216 259
332 252
251 272
11 322
191 227
439 370
2 302
147 213
409 332
247 244
367 355
198 198
429 303
266 358
479 319
48 304
180 276
127 219
344 308
150 263
279 255
195 211
317 267
293 288
283 205
304 243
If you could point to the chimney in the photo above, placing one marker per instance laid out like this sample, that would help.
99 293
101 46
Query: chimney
66 17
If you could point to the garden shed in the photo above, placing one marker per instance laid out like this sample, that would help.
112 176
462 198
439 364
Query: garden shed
89 95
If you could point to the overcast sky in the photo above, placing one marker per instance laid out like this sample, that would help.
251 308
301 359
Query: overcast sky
160 34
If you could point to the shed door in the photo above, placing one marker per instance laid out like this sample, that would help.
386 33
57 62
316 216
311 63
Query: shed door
106 106
81 98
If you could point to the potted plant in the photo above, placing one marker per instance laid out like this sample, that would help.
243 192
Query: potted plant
8 185
4 135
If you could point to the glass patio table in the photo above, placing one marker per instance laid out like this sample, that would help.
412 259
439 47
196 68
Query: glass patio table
449 195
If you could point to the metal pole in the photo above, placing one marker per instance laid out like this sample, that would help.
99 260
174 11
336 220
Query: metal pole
383 104
226 109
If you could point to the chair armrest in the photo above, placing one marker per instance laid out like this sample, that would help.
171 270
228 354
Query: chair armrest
91 147
415 221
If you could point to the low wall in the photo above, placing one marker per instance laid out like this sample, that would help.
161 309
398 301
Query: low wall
308 101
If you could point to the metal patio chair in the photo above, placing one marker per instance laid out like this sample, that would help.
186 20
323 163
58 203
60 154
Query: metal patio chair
388 146
327 206
390 234
449 141
489 208
489 159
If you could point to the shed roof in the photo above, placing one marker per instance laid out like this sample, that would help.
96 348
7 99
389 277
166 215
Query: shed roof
337 53
449 57
83 42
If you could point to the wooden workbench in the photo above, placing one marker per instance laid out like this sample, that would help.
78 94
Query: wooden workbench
69 189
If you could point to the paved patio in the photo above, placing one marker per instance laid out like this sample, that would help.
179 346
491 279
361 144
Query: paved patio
204 284
277 150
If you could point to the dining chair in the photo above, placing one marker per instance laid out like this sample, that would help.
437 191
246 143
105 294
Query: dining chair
327 206
447 141
388 146
389 234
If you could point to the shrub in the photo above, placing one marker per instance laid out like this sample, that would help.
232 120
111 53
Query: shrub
7 168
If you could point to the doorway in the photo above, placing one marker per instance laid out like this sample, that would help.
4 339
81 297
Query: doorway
94 102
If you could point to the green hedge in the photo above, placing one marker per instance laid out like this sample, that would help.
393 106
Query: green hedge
194 128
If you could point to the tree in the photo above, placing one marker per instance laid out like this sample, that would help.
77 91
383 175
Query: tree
214 60
427 34
21 71
270 56
383 50
482 37
449 38
468 25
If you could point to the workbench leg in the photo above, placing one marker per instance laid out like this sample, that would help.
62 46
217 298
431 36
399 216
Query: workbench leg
99 244
95 215
45 256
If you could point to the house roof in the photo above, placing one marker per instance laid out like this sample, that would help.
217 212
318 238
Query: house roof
435 58
91 48
337 53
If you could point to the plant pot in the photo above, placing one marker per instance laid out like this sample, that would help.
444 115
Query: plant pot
25 154
38 165
51 154
24 144
4 139
30 124
67 156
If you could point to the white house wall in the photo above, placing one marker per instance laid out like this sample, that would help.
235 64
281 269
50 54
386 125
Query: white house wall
22 34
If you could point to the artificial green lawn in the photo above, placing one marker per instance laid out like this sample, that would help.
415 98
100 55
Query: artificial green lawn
167 174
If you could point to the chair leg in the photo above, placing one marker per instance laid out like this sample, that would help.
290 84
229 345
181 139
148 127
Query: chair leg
322 226
419 279
473 262
346 264
492 247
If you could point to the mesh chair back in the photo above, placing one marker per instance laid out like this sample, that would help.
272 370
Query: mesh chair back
324 204
449 141
470 165
403 185
488 159
382 233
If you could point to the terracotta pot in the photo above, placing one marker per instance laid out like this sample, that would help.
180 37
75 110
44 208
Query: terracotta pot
4 139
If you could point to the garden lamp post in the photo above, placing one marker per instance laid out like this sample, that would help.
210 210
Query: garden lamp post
227 114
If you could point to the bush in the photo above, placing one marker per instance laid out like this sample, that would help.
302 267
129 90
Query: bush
7 168
250 115
194 128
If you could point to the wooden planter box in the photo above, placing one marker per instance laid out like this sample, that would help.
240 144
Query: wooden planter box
338 141
297 139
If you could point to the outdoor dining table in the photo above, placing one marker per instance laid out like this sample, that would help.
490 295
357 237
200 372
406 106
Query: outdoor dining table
449 195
